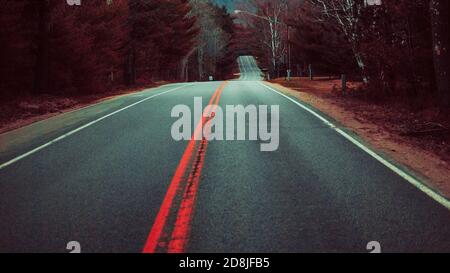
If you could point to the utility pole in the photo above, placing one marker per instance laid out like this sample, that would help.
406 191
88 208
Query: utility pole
289 71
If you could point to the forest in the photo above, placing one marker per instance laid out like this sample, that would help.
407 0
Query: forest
51 47
399 49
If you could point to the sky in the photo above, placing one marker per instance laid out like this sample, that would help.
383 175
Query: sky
228 3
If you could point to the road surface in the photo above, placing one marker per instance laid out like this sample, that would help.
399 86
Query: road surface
112 178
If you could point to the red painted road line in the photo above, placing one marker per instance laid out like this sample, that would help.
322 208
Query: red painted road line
181 231
182 227
161 218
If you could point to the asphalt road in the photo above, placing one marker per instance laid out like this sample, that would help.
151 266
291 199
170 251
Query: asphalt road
114 180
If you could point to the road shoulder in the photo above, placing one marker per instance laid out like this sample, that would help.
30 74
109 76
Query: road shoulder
429 167
50 126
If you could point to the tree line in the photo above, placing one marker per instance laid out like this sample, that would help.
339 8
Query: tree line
398 48
49 46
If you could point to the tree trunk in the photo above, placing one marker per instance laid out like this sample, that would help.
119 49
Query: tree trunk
130 67
440 26
41 73
184 71
200 63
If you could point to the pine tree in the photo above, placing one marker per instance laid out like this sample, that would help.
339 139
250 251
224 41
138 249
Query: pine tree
16 56
161 34
105 24
179 39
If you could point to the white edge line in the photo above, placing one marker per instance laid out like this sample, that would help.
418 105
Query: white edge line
415 182
37 149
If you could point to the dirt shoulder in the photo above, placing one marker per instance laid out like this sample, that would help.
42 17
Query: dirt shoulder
26 110
393 129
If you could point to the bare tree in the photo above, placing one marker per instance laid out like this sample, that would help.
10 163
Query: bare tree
211 40
346 14
269 21
273 12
